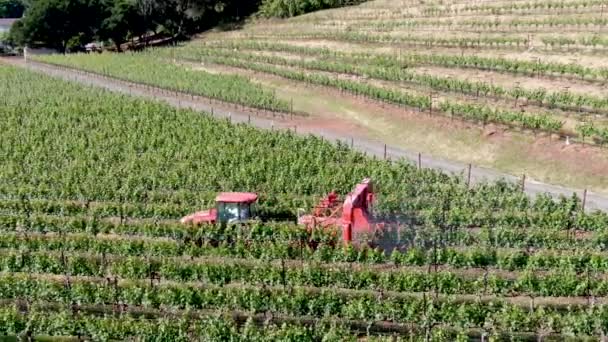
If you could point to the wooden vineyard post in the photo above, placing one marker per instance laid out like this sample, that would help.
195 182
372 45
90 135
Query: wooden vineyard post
469 176
301 240
384 151
435 269
523 182
425 306
150 273
352 142
116 293
249 119
283 273
419 161
584 199
104 263
485 280
588 288
431 98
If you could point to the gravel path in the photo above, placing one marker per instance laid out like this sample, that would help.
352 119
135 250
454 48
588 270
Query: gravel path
593 201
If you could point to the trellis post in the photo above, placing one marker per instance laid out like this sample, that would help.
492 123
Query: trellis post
584 199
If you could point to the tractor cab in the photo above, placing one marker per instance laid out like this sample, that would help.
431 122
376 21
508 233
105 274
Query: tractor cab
230 207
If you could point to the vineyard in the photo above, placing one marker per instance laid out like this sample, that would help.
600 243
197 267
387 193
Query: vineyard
504 76
93 183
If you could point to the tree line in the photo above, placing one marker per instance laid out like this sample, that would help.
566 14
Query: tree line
11 8
68 25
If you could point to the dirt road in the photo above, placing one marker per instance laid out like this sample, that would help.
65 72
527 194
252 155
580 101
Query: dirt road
307 126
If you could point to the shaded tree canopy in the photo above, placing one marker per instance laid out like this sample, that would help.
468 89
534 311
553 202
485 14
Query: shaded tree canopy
59 23
69 24
11 8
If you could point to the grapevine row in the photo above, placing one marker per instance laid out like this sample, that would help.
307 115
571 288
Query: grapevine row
300 302
499 236
358 37
63 321
486 24
451 207
350 65
97 264
399 281
499 64
230 88
464 111
451 233
435 10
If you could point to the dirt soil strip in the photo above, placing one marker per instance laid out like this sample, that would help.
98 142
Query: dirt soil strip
593 202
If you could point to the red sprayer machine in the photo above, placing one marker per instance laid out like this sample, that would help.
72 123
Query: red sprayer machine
353 215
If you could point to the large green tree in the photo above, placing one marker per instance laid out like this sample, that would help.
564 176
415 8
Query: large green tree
122 21
59 24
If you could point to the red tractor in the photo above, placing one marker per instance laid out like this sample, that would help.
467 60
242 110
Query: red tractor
230 207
